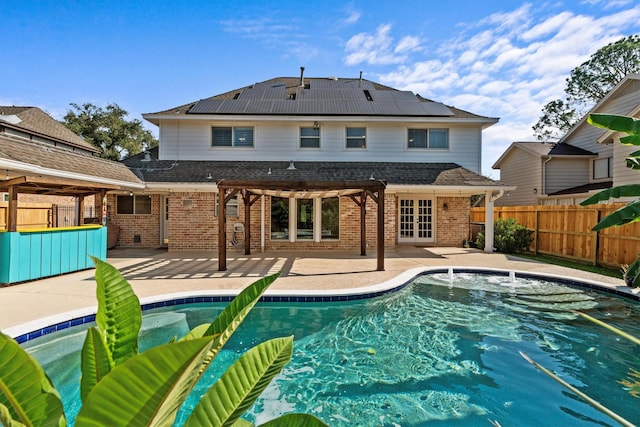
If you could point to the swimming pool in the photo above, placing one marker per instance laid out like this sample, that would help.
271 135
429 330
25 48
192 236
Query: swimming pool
441 351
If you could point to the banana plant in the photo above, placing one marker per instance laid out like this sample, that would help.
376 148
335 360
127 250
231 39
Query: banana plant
631 212
120 386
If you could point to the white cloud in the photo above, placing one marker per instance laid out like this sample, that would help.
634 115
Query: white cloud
377 48
352 16
507 65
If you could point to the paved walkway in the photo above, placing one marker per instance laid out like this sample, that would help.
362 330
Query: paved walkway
158 272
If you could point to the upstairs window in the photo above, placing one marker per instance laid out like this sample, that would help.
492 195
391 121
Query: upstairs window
133 205
428 139
356 138
603 168
232 137
310 137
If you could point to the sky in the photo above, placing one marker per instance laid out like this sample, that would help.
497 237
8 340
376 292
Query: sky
503 59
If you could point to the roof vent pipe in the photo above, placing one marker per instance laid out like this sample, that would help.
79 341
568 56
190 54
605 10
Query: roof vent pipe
360 82
301 76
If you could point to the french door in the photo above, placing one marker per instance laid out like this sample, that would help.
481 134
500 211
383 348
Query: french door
415 220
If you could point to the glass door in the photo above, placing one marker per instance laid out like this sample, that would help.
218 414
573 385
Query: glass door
415 220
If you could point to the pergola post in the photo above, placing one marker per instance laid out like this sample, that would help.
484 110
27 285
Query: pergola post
488 222
12 217
80 210
380 251
222 229
363 223
246 198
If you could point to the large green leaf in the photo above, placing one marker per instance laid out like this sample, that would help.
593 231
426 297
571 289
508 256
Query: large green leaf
298 420
625 215
119 316
25 390
632 275
147 389
231 317
617 123
235 312
241 384
630 190
630 140
94 361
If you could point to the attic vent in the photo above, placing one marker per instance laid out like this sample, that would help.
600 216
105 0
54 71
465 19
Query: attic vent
236 95
307 85
367 95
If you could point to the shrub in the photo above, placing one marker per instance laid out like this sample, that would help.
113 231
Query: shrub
508 236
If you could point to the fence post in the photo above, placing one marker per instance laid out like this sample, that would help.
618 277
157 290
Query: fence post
535 247
596 236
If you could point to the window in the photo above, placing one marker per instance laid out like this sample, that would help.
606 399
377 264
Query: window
232 206
330 218
232 137
304 219
603 168
315 219
133 205
310 137
279 218
356 138
428 138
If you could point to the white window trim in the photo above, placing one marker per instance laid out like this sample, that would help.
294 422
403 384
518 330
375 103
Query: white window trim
300 147
366 138
233 130
427 129
317 221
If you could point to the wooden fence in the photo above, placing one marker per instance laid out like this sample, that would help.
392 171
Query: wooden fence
565 231
32 215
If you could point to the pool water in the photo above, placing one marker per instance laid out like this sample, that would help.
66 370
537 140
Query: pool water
438 352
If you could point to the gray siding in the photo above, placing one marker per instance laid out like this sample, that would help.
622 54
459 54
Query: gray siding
191 140
563 173
522 169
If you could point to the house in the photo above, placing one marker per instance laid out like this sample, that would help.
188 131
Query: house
41 160
584 161
307 163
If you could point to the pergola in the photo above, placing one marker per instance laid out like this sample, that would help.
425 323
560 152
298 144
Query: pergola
51 186
252 190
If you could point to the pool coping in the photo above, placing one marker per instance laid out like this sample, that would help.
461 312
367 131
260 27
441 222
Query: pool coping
36 328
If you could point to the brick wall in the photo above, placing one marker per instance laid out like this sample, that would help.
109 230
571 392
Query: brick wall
193 224
146 227
452 223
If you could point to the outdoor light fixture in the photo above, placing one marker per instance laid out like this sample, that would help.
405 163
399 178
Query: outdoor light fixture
316 125
372 178
131 193
209 177
535 191
7 177
291 167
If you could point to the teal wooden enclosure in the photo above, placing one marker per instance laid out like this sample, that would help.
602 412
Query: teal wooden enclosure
29 255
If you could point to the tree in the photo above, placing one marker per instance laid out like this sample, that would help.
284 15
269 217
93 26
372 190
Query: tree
587 84
108 130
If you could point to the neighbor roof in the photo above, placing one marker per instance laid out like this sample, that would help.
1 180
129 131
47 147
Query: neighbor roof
543 149
318 96
581 189
195 171
35 121
48 160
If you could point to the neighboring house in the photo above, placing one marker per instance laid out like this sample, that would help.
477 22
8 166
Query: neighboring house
42 161
584 161
304 154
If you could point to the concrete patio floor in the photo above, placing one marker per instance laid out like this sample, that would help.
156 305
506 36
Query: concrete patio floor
158 272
